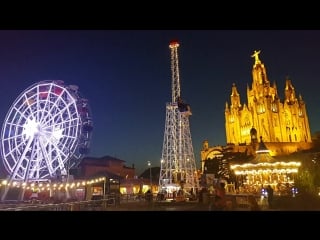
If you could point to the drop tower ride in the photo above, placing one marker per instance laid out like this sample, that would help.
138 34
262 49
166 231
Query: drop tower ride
178 166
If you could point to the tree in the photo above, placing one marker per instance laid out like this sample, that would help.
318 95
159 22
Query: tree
308 178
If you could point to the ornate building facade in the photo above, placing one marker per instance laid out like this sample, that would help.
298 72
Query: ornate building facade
283 125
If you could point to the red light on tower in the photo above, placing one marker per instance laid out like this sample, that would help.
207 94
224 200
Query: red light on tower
173 43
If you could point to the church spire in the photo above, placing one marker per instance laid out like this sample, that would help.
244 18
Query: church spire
290 95
235 97
227 107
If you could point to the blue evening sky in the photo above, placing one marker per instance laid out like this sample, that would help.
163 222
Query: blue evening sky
125 75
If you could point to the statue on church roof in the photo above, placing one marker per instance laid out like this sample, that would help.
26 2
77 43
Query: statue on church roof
256 56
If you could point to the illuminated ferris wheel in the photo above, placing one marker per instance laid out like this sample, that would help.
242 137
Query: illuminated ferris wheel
46 131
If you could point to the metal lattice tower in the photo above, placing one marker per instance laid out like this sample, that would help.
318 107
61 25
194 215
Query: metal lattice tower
178 166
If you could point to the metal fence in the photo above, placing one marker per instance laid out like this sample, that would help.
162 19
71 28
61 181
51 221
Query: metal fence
92 205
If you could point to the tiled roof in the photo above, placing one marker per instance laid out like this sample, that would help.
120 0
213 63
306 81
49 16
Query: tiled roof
100 161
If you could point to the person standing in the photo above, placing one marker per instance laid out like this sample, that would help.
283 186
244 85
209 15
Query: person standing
220 198
270 195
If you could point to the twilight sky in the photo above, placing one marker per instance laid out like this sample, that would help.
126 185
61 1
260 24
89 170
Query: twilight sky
126 76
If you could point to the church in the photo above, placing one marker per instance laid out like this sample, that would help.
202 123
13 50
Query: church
282 124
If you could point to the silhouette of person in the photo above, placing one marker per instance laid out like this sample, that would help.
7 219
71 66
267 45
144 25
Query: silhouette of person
220 198
270 195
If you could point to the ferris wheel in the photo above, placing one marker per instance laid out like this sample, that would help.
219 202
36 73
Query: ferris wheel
46 132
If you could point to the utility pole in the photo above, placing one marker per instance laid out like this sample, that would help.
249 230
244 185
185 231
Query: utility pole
149 164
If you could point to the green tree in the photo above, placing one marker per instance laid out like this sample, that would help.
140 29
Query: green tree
308 178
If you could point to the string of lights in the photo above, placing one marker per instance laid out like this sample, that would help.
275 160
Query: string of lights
47 186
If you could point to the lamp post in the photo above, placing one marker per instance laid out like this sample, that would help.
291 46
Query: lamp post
104 186
149 164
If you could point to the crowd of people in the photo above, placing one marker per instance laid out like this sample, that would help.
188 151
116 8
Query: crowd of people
219 200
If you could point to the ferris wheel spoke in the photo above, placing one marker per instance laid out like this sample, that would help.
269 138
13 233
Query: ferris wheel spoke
13 124
56 106
59 148
47 109
43 115
63 150
20 113
27 106
12 150
59 154
52 123
49 128
39 113
62 111
39 102
38 156
49 104
18 163
53 117
13 137
46 158
32 156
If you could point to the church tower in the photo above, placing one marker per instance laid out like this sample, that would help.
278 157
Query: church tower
284 126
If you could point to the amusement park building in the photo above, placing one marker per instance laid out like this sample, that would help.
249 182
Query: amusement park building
91 166
112 169
283 125
115 169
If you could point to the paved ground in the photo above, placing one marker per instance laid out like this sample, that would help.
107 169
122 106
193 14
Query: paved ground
298 203
159 206
303 202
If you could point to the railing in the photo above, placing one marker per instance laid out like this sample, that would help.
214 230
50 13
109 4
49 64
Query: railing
92 205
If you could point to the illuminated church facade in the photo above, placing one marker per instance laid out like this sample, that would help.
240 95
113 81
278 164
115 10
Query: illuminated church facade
283 125
275 121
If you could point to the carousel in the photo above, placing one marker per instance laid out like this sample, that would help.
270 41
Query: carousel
264 170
